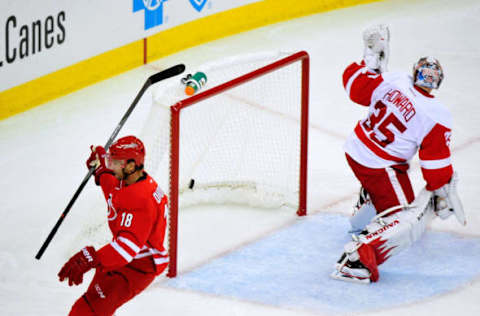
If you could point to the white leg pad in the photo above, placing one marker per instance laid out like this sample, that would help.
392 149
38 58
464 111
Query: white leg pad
391 234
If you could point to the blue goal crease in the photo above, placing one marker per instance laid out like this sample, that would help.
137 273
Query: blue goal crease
291 269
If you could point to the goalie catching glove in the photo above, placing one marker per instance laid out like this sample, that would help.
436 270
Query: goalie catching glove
446 201
376 51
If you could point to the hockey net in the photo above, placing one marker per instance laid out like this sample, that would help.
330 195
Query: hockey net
242 139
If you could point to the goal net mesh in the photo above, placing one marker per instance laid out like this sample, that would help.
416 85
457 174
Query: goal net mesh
240 146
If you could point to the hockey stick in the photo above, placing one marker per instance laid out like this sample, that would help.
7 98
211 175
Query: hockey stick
165 74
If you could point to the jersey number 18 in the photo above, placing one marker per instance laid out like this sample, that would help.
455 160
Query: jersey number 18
126 219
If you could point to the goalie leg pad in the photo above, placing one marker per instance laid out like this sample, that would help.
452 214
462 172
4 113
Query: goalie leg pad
369 260
391 234
385 237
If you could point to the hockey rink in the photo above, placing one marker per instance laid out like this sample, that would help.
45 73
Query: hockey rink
285 274
236 260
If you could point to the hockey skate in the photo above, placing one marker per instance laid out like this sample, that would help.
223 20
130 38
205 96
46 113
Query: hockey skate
349 268
351 271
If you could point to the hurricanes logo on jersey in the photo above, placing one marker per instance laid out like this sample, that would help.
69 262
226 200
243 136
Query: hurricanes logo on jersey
447 138
112 212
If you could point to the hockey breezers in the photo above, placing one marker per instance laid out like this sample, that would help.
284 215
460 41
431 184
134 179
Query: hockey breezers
162 75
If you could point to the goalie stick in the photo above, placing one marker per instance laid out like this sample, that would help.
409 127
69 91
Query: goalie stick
162 75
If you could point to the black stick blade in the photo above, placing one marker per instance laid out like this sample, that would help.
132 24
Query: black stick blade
167 73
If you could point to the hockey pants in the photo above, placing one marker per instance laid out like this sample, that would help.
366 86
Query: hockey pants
109 290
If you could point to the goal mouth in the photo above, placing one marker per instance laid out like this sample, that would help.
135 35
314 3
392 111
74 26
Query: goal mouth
247 193
242 139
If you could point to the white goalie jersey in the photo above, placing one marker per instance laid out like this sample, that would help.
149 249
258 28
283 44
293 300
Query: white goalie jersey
401 119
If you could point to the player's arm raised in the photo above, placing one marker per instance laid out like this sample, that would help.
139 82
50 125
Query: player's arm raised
361 79
104 177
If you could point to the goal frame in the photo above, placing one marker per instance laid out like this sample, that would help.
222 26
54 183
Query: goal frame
175 111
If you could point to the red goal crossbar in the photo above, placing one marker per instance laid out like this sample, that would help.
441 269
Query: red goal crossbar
175 111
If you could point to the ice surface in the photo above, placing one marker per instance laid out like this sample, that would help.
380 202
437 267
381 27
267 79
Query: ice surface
290 268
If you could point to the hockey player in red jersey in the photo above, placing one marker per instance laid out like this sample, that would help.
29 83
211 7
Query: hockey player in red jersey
403 118
137 218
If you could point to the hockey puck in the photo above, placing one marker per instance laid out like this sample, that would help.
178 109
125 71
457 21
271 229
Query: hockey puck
192 183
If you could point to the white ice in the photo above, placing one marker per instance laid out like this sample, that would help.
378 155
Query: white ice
44 149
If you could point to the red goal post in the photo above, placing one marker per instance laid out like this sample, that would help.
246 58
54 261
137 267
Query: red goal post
302 58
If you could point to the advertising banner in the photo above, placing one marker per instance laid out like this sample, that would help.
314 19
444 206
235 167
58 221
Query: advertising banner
40 37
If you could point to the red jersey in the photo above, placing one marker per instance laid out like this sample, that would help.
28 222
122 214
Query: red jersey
402 119
137 217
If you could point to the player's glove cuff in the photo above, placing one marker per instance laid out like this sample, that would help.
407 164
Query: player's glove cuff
97 159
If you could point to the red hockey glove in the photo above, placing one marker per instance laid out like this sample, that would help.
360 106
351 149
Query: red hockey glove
97 160
81 262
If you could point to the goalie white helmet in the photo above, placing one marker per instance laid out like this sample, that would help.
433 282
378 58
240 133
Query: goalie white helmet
427 73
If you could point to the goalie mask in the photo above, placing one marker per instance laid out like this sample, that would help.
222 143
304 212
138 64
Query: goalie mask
427 73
